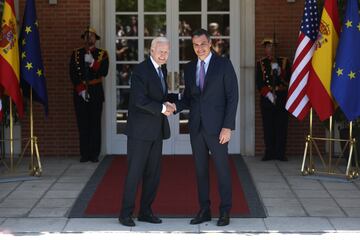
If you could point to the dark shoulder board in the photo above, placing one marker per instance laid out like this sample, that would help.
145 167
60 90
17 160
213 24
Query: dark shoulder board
283 59
77 49
260 60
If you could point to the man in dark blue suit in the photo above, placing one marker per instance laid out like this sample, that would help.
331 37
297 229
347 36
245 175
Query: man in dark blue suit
211 93
147 126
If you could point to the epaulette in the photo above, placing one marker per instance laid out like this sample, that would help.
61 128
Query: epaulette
283 62
77 49
102 50
102 54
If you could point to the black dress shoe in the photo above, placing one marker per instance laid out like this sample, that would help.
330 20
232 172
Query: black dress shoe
202 216
150 218
84 159
266 158
224 220
94 159
127 221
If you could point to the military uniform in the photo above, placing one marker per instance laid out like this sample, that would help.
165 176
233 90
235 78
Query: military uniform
274 114
88 113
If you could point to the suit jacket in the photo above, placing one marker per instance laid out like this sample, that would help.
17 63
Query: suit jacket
215 107
145 120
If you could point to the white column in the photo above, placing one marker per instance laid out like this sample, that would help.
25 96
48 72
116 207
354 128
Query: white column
97 19
247 77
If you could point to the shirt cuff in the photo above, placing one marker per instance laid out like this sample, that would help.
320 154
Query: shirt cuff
163 108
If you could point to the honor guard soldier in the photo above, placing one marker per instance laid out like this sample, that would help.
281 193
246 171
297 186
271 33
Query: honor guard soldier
88 67
272 78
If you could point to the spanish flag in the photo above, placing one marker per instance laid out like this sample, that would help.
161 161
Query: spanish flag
318 89
9 56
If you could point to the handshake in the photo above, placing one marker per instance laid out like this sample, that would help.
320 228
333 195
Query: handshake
170 108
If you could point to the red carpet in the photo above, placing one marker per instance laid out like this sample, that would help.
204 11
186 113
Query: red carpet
177 195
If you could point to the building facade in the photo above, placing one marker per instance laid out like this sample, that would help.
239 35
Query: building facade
126 28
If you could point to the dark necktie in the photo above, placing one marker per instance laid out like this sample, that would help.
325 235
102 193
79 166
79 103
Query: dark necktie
202 75
161 76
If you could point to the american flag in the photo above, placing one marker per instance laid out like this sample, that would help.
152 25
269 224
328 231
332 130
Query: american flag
297 101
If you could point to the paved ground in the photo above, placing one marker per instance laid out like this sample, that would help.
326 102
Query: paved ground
298 207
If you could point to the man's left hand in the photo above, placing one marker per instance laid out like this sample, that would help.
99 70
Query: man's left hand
170 108
225 135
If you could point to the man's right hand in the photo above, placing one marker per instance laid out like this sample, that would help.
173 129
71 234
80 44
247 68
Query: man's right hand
83 95
170 108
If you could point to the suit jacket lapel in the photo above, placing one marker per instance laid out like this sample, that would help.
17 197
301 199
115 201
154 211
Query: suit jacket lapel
192 80
155 75
165 78
210 70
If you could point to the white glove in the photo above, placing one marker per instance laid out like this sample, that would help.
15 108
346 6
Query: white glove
275 66
271 97
83 95
89 59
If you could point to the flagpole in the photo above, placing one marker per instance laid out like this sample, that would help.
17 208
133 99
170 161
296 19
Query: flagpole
311 139
308 169
351 140
35 169
330 143
31 132
11 136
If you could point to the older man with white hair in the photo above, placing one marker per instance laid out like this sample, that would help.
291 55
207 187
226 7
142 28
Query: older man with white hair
147 126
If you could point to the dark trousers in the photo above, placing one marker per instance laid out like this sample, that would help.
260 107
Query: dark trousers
88 116
144 163
275 124
201 144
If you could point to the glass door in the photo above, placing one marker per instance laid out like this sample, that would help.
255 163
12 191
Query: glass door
132 26
213 15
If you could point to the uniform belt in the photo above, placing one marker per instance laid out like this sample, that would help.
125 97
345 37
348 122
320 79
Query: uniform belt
95 81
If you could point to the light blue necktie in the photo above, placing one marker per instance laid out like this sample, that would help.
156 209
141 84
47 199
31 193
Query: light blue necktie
161 76
202 75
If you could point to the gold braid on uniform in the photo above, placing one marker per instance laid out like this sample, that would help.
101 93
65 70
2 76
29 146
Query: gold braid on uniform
264 72
102 52
77 61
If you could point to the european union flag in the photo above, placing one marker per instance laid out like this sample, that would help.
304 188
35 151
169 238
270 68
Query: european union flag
345 84
31 66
